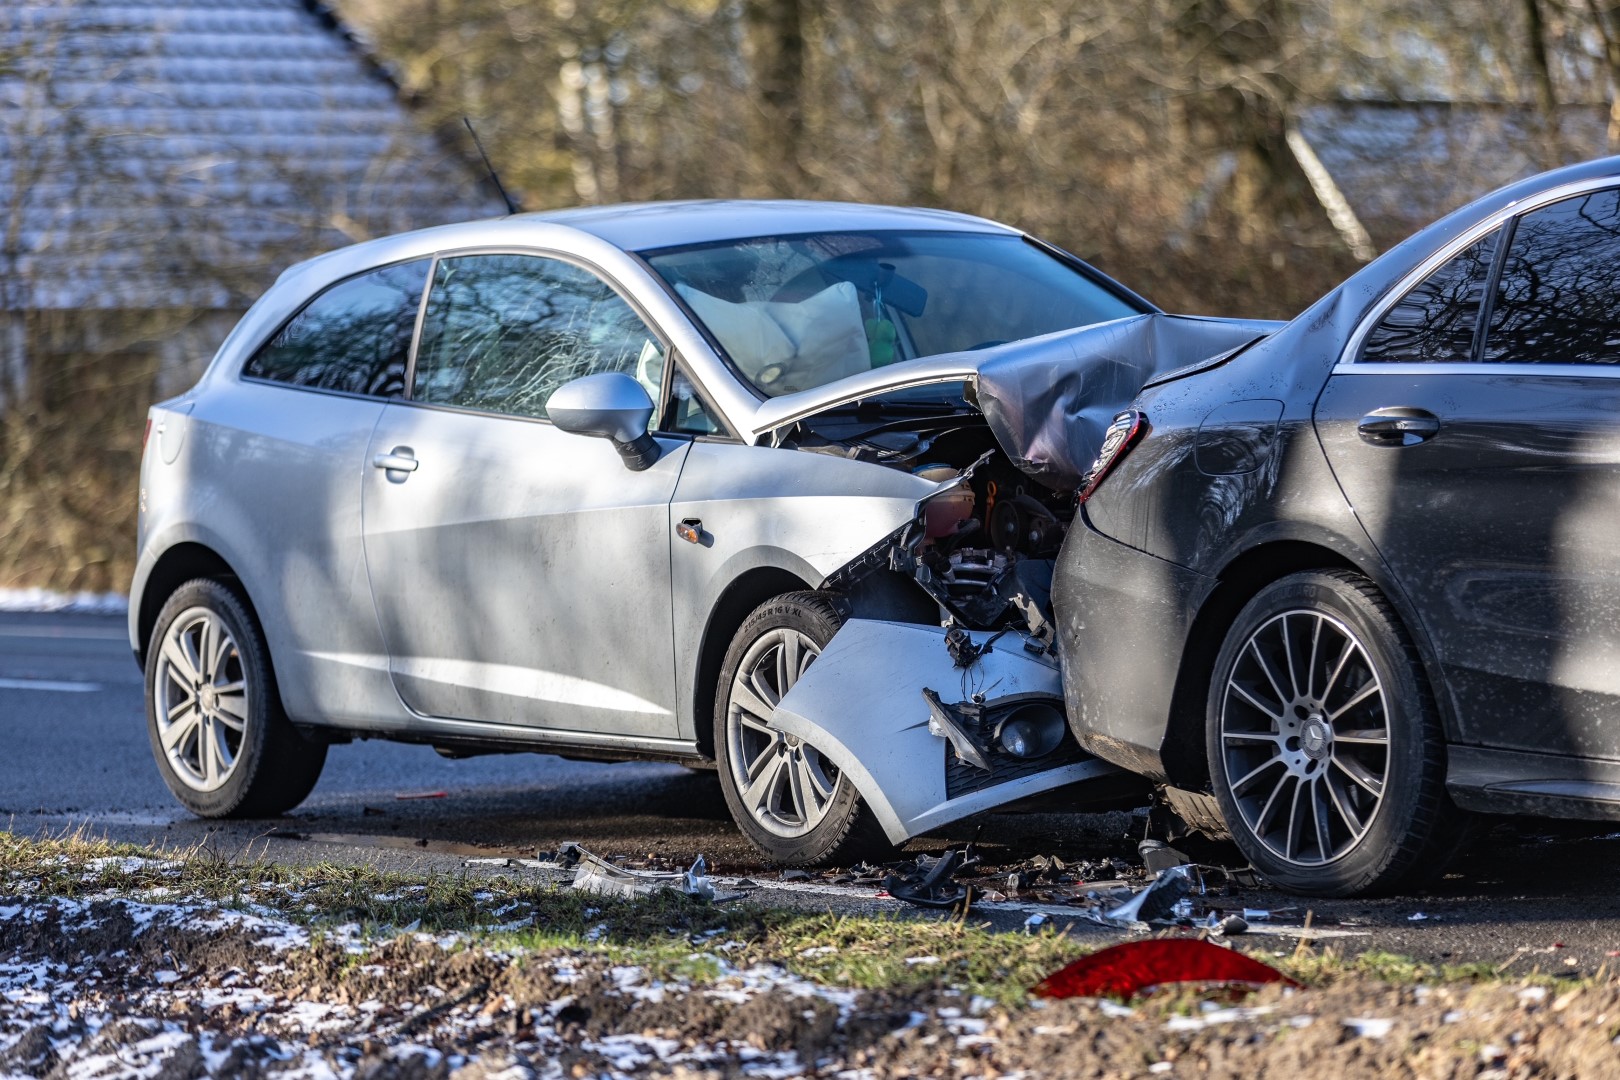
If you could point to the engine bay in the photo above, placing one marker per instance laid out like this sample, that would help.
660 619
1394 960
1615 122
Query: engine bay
983 547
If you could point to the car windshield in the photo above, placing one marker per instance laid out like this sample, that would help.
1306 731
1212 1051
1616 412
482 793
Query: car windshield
796 312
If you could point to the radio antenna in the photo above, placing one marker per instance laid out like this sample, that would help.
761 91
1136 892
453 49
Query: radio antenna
494 177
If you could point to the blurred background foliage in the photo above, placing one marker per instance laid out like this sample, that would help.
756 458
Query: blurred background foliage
1147 135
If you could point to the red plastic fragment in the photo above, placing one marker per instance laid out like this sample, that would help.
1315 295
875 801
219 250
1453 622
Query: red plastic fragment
1126 970
420 794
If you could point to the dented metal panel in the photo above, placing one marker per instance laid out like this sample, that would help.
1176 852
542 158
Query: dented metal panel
862 705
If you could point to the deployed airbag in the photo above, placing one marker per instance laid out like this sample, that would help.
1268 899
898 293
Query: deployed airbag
787 347
1049 400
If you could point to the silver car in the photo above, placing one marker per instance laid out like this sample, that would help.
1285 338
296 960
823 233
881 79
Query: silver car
603 483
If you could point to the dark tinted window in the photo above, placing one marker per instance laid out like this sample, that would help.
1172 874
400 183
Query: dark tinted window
354 337
504 331
1435 322
1559 301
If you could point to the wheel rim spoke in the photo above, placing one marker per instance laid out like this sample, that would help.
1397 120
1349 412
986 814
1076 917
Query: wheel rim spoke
1252 700
179 730
1259 658
1323 848
1357 772
779 779
200 699
1362 738
1356 699
744 698
179 658
1288 656
1244 781
1306 790
1346 814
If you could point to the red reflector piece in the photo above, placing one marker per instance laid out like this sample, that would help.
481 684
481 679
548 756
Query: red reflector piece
147 434
1126 430
1123 971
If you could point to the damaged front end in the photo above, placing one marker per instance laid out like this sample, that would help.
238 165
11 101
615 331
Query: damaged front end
928 740
943 707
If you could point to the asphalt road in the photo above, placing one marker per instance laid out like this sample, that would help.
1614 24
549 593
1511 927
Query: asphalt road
74 753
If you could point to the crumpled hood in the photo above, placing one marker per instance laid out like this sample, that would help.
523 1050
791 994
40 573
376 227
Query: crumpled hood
1049 400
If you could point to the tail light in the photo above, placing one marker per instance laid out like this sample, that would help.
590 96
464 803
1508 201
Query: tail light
1125 432
147 434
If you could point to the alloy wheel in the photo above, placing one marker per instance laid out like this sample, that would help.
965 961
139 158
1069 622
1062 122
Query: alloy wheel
200 699
1305 737
784 783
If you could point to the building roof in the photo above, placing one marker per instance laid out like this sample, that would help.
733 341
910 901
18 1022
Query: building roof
1403 165
180 153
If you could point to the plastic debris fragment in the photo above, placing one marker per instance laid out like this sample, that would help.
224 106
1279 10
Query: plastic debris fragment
1157 901
1123 971
1158 856
934 888
594 874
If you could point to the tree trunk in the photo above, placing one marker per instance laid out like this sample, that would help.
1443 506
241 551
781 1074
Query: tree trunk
776 54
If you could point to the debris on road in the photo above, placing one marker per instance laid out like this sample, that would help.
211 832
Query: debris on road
402 795
930 883
1156 903
1124 971
594 874
1158 856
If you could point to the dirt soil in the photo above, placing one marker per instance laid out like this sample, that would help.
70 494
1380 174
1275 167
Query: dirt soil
110 987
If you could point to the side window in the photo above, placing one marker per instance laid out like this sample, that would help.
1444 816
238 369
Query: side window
502 332
688 413
1559 300
1435 322
354 337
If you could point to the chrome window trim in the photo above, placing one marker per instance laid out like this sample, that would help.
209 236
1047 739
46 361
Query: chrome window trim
1480 367
1352 350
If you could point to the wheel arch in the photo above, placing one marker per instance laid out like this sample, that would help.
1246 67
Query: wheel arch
176 566
750 589
1183 752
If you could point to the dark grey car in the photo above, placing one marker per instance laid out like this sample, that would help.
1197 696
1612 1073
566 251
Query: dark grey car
1364 575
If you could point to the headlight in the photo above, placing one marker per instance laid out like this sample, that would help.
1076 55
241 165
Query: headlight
1031 731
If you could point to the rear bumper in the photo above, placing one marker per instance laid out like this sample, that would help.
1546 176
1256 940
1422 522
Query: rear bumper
1122 617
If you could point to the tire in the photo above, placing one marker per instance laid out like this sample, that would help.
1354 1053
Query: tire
829 824
271 767
1326 753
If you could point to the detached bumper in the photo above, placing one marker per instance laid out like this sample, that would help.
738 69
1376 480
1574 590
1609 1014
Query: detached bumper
861 704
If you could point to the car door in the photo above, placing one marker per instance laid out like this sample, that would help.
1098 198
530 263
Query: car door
278 456
521 573
1477 436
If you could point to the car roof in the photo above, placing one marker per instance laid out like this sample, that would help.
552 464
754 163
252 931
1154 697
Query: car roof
651 225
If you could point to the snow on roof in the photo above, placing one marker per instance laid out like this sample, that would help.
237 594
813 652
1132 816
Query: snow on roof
1403 165
180 153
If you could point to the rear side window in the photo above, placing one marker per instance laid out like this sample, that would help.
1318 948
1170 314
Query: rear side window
1559 300
502 332
1435 323
355 337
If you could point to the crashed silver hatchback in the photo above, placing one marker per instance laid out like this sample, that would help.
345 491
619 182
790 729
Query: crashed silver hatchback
776 486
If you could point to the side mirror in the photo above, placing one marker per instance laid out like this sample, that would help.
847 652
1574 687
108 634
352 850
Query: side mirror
609 405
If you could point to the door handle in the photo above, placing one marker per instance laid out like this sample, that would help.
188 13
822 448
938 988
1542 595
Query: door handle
1398 426
399 459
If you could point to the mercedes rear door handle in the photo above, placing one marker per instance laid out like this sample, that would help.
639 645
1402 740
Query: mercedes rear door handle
1398 426
399 459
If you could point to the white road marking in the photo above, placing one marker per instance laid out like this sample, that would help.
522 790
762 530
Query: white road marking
89 633
49 684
